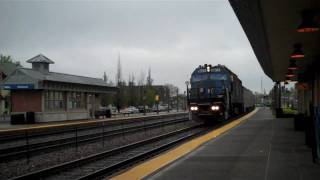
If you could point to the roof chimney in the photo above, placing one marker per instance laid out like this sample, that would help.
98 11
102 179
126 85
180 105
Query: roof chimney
40 63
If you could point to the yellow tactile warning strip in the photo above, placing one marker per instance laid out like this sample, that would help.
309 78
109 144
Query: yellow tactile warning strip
147 168
78 122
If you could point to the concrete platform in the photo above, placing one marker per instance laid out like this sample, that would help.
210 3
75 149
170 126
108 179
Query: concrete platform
6 126
261 148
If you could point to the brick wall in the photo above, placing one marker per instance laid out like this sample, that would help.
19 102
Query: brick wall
26 100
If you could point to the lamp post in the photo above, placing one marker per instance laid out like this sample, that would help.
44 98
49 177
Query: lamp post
157 98
185 100
177 99
168 98
187 84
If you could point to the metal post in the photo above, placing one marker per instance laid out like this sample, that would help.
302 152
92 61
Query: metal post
76 129
144 102
185 100
102 134
157 107
28 146
177 100
122 129
144 127
168 99
187 104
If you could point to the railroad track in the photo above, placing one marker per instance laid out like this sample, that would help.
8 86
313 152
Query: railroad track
104 163
44 132
26 149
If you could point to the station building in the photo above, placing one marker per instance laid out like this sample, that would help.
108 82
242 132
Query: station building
6 68
54 96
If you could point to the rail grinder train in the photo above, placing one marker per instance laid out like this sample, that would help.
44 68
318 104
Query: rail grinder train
217 93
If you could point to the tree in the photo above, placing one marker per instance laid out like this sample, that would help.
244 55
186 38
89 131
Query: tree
119 73
132 91
150 96
8 59
149 79
105 77
5 59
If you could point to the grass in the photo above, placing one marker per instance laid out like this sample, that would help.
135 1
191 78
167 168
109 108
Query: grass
288 110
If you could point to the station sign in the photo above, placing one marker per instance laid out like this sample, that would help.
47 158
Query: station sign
18 86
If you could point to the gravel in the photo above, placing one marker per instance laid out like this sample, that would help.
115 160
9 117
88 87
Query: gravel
39 161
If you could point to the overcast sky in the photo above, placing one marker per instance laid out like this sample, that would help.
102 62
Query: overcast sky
170 37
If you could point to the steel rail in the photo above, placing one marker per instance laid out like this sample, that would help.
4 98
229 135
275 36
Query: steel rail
10 136
19 151
76 163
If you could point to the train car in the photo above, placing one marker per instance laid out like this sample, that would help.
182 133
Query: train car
216 93
248 100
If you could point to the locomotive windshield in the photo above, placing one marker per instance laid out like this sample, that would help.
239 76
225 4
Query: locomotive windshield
218 76
199 77
212 76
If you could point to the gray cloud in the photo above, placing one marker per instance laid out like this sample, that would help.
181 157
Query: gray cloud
172 38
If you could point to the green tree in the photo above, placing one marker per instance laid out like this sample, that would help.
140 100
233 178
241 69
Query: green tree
150 96
5 59
107 99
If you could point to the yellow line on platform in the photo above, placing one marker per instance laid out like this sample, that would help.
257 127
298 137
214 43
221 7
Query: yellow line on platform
147 168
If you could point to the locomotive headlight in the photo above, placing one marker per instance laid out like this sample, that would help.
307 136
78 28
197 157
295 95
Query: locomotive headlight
194 108
215 108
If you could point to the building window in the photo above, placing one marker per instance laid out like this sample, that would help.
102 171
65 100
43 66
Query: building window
76 100
54 101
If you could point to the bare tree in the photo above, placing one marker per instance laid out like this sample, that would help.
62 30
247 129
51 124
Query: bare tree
149 79
105 77
141 78
119 73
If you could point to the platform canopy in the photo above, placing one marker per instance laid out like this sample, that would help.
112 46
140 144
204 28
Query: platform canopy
271 27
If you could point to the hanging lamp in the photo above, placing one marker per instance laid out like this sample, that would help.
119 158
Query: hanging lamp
290 73
297 51
293 65
308 24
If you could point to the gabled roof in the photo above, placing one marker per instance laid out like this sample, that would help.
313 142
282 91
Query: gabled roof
60 77
40 59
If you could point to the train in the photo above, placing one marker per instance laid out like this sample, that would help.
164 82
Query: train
216 93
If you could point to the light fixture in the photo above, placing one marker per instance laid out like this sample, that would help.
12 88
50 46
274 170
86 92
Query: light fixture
308 24
290 73
293 65
215 108
297 52
194 108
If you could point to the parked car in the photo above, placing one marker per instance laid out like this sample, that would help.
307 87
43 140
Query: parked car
143 109
161 108
130 109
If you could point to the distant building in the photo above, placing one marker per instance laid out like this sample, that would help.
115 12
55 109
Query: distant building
6 68
54 96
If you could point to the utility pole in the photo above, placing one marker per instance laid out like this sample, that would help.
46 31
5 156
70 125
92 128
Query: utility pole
187 99
177 99
168 98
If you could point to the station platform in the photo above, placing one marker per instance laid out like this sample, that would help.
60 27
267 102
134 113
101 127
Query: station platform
6 126
260 147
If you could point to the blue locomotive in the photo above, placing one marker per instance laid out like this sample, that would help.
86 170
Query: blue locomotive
217 93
